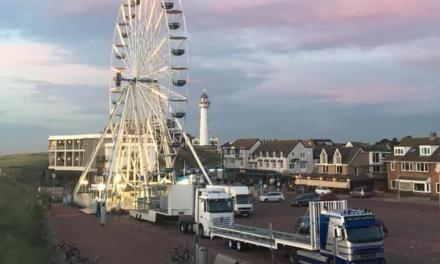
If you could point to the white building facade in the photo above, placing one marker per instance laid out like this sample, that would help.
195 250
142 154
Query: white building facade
236 153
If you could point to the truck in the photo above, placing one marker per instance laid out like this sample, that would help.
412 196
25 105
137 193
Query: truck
336 235
213 207
195 209
241 198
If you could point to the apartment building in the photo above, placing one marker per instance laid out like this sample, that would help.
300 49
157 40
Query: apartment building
72 152
283 156
280 156
414 166
236 153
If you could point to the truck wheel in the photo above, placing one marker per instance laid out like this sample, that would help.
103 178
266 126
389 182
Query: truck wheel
231 244
331 261
240 246
293 257
183 227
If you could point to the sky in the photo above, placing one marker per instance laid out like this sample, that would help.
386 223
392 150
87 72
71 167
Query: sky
341 69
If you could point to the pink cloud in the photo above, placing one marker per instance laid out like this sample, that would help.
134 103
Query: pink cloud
369 94
323 23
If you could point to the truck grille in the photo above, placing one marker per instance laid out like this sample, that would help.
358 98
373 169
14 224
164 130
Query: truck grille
222 221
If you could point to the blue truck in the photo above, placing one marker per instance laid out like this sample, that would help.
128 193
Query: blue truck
335 235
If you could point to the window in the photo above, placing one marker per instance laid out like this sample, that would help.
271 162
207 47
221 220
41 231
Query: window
324 169
303 165
376 169
274 164
393 184
422 167
376 157
398 151
420 187
393 166
356 171
292 166
425 151
302 155
407 166
339 169
437 187
323 158
338 158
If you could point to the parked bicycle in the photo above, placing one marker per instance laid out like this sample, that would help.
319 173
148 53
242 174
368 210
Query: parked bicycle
72 255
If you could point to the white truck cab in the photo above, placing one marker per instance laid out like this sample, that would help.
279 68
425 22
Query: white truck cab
213 207
241 198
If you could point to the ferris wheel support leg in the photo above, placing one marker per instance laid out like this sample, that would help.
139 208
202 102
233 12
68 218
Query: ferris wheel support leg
199 162
95 152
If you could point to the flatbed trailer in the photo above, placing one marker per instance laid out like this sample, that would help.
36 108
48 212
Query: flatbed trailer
261 237
239 236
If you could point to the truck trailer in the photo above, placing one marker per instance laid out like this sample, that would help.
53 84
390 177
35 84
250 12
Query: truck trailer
337 235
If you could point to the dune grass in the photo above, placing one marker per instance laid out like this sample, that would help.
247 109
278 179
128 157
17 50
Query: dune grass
22 222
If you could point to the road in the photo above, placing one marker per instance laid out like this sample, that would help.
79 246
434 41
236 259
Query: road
414 233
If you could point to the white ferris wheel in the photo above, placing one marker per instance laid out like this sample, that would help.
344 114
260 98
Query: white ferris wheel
147 99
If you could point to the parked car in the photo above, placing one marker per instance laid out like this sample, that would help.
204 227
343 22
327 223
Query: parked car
305 198
300 189
361 192
302 225
323 190
272 197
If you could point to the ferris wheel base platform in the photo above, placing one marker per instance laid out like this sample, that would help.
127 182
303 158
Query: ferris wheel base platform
151 215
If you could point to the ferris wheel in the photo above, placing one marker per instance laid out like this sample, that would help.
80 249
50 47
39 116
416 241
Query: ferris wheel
147 97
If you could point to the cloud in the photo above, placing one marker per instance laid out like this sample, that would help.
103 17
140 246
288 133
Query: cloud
43 85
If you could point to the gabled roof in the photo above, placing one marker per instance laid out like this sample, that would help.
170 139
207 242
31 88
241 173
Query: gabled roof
347 153
242 143
285 146
413 153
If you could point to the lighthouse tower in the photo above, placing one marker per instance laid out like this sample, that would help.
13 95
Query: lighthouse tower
204 105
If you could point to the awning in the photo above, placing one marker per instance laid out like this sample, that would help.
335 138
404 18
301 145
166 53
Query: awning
414 178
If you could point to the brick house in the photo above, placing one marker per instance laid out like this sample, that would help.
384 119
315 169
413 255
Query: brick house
414 166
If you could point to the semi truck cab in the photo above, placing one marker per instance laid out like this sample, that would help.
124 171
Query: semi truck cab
213 207
347 236
241 198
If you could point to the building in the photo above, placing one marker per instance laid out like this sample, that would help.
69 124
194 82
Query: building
236 153
283 156
204 105
212 142
345 166
72 152
414 166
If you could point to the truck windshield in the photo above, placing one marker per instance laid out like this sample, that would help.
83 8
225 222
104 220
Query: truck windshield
220 206
364 234
243 199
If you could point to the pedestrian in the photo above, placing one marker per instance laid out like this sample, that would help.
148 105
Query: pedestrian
98 208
